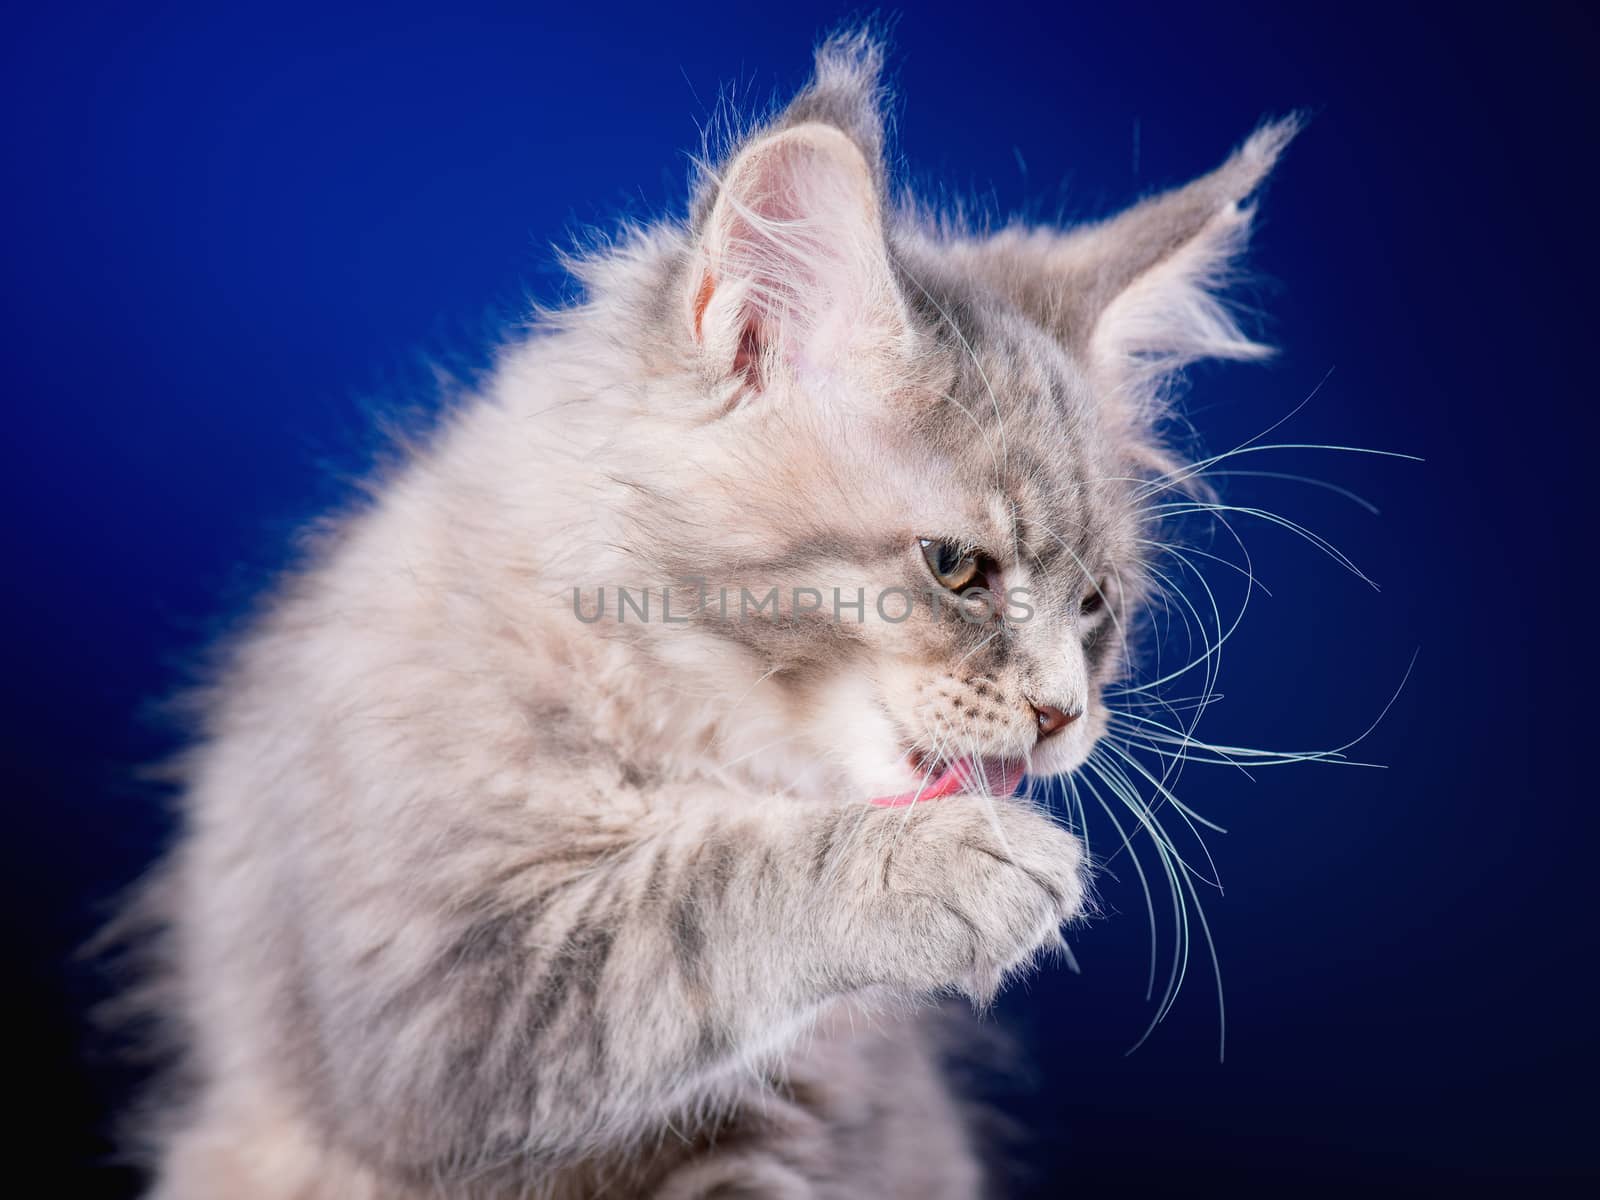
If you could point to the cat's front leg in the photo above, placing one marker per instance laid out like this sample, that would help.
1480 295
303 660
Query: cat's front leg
730 925
796 906
589 981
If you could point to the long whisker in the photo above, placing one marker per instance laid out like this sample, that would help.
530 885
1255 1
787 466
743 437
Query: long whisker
1316 539
1150 738
1138 868
1173 479
1180 923
1308 480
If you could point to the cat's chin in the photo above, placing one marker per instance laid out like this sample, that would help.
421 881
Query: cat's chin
984 776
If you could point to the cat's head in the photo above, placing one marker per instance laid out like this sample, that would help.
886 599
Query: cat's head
888 415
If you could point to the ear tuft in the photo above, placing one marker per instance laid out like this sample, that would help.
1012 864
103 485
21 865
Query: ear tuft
1174 256
1138 296
846 91
1248 167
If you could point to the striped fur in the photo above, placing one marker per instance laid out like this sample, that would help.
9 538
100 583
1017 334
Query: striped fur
478 899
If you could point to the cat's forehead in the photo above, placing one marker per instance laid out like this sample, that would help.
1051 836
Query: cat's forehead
1017 420
991 436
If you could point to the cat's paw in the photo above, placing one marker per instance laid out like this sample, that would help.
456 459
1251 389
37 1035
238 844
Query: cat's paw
972 890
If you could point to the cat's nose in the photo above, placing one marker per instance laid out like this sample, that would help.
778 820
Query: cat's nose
1053 720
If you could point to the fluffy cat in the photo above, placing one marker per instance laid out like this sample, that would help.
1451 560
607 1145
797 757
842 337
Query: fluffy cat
490 886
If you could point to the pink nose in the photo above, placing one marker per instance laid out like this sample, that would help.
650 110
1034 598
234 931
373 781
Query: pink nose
1052 720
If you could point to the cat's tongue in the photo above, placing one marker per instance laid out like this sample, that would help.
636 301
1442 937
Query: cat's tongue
990 776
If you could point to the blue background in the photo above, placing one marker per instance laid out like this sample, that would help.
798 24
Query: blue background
233 233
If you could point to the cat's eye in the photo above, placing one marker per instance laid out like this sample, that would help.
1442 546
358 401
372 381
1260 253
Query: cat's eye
954 567
1094 599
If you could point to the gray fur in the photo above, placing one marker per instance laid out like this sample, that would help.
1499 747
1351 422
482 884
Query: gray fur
475 899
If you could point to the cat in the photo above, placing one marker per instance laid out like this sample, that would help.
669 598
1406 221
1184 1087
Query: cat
603 806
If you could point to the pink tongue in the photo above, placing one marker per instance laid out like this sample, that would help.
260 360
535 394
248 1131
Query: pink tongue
988 775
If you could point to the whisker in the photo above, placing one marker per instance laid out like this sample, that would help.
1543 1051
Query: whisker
1308 480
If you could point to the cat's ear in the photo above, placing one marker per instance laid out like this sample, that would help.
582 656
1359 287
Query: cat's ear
1137 296
790 273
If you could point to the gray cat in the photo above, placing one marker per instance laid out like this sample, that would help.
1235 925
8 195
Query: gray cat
605 805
